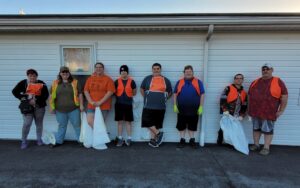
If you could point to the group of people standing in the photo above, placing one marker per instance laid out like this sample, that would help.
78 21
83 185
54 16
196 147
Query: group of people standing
67 102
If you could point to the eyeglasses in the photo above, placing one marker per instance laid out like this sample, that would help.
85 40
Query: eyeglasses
238 78
65 71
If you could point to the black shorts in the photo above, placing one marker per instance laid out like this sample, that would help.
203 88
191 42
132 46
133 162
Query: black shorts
123 112
189 122
153 118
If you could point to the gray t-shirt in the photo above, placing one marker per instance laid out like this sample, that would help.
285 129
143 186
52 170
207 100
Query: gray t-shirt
64 101
153 99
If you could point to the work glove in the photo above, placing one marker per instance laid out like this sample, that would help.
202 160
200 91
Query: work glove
176 109
200 110
226 113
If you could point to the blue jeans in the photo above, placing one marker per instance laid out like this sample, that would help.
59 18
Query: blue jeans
62 119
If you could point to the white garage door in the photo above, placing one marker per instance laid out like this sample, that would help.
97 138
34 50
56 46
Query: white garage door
138 51
245 53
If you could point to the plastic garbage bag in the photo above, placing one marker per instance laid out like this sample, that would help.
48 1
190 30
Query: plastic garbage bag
48 138
100 136
96 137
233 133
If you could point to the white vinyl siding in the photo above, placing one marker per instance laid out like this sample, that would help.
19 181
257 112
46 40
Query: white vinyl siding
138 51
245 53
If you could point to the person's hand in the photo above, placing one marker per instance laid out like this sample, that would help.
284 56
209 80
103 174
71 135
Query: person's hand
226 112
93 103
279 113
176 109
200 110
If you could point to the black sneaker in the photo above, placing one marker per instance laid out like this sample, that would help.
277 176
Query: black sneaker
153 143
55 145
181 143
159 138
193 143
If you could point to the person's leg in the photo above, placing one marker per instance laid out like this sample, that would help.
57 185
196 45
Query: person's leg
192 128
120 128
128 131
105 114
74 118
256 137
39 114
27 121
90 117
257 125
62 119
191 134
268 140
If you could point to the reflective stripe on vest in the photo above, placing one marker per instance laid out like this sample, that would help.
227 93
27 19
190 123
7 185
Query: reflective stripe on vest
275 88
233 94
194 83
158 84
128 90
54 89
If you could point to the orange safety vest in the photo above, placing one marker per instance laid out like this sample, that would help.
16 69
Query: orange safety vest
128 90
34 89
194 83
53 93
233 94
275 88
158 84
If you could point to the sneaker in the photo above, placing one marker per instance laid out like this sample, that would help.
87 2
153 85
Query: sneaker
153 143
181 143
55 145
159 138
24 145
193 143
128 142
120 142
39 142
254 147
264 151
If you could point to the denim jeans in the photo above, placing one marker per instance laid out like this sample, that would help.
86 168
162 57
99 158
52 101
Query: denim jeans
38 117
62 119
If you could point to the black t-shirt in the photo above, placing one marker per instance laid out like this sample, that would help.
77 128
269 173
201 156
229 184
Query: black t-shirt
124 99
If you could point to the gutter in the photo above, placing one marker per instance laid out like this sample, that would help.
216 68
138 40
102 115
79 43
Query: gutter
204 79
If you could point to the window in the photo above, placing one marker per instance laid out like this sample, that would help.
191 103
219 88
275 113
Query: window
79 59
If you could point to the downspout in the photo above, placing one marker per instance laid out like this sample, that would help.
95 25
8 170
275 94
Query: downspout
205 72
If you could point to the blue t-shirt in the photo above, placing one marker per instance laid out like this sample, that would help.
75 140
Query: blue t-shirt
188 100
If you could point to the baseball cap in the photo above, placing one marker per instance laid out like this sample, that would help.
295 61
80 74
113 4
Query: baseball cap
268 65
124 68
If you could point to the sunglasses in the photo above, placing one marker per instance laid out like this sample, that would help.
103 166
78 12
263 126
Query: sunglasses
65 71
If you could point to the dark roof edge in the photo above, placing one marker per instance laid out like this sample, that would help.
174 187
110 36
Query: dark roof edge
274 14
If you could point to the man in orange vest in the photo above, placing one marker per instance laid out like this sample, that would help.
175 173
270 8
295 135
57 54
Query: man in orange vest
155 89
188 102
233 101
268 98
125 90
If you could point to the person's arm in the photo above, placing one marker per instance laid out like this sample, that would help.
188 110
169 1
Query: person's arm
19 90
224 106
133 86
88 98
142 92
283 104
169 88
45 92
104 99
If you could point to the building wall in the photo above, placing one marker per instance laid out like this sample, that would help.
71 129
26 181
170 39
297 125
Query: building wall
228 54
138 51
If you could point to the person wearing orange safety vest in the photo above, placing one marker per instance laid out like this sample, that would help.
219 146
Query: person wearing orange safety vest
233 101
125 90
268 98
188 104
34 93
156 90
66 102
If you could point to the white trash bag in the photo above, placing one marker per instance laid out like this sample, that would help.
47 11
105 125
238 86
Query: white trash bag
233 133
48 138
96 137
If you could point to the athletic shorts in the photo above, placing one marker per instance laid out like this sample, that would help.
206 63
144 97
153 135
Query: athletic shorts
262 125
187 122
123 112
153 118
